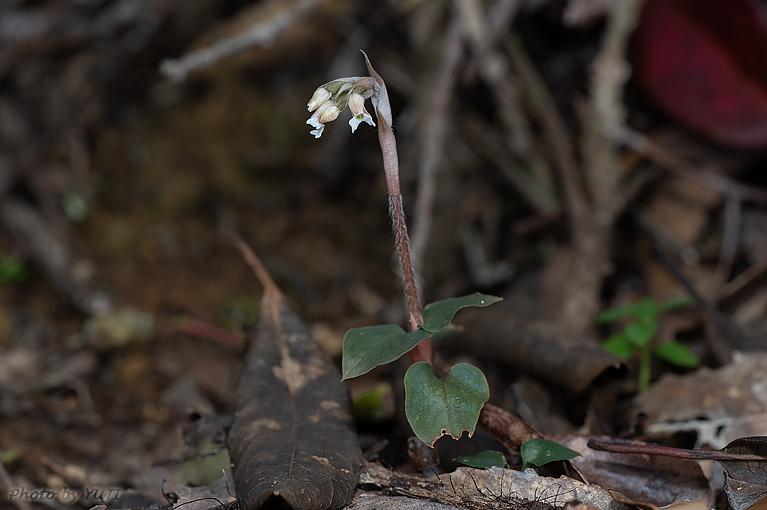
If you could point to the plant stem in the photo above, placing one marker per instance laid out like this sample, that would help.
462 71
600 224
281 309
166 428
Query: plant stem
644 368
403 247
423 351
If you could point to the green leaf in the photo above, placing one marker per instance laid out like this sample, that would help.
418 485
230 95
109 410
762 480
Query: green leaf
640 333
619 345
538 452
366 348
647 307
677 354
676 303
13 270
451 405
484 460
372 404
438 315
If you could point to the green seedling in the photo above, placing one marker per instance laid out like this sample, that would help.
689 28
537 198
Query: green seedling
535 452
484 460
539 452
13 269
638 333
434 405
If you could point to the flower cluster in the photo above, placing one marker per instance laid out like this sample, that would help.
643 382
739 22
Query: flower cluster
329 100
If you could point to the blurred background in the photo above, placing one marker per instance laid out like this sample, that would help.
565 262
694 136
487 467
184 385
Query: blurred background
572 156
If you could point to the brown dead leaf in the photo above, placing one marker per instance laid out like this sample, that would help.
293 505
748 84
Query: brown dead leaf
292 438
720 405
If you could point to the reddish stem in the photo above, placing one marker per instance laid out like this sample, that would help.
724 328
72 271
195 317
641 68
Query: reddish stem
666 451
424 350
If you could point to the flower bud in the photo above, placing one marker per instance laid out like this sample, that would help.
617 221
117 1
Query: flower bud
329 113
320 96
356 104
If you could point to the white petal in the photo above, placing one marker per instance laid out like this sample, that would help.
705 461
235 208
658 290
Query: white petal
362 117
314 122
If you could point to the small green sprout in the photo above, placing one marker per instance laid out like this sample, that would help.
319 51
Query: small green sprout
539 452
637 336
13 269
484 460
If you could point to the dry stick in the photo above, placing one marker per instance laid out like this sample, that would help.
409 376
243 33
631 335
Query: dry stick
494 70
591 261
434 141
734 335
729 245
610 73
270 288
666 451
262 33
669 161
424 350
556 132
503 16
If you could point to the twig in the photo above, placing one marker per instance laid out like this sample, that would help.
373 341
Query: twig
246 252
494 70
729 245
610 73
262 33
733 334
669 161
502 19
600 118
556 133
666 451
434 134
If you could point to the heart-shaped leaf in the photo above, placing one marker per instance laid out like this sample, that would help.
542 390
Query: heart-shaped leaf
538 452
484 460
640 333
435 407
366 348
438 315
677 354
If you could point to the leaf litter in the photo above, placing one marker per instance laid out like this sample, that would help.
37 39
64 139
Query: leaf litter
156 167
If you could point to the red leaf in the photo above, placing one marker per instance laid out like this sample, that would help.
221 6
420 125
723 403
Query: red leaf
704 63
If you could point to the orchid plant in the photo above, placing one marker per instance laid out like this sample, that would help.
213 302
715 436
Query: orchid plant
434 405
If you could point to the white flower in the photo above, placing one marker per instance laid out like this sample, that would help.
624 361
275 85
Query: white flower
329 100
320 96
359 113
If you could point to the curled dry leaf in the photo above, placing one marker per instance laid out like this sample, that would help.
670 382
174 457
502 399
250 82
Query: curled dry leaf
292 438
703 63
536 347
746 481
